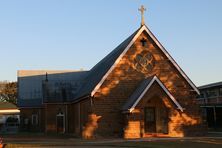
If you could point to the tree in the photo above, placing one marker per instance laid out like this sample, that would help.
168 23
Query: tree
8 92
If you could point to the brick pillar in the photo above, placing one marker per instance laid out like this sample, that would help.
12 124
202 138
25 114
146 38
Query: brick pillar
132 126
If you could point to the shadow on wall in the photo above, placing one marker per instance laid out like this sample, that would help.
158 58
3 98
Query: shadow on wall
91 126
180 125
189 125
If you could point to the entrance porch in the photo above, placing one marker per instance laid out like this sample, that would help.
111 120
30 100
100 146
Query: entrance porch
151 120
149 109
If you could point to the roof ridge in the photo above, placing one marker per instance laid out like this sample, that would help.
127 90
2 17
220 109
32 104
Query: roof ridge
97 72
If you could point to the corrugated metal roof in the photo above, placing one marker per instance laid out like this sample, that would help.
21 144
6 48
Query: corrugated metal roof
210 85
29 103
30 93
99 72
90 79
101 68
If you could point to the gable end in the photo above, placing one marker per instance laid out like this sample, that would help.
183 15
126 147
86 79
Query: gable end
144 28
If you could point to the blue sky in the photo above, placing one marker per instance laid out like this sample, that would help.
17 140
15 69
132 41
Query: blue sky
76 34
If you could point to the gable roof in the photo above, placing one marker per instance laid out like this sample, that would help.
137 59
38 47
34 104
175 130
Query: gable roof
30 82
141 90
217 84
100 71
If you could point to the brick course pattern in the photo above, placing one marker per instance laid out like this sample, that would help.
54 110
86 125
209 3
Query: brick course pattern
125 78
101 115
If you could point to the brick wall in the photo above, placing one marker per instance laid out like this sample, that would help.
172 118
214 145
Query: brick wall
51 113
26 113
124 79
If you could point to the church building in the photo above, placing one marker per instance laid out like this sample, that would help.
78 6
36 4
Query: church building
137 90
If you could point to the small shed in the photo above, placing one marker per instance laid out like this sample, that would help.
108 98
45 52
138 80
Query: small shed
9 117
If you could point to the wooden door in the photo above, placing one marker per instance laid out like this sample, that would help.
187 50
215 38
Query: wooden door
150 120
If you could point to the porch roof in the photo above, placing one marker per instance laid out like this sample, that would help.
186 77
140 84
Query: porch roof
144 86
7 105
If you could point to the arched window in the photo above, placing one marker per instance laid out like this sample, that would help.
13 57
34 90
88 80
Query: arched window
60 122
35 119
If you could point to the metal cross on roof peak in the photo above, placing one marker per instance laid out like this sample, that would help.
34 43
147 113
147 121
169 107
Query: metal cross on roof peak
142 9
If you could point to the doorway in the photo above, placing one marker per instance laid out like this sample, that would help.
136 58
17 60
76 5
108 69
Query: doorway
156 120
60 123
150 120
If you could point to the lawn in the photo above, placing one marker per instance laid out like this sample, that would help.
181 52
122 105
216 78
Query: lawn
144 143
42 140
168 144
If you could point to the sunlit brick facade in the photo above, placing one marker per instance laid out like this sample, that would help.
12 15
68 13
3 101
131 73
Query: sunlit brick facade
136 91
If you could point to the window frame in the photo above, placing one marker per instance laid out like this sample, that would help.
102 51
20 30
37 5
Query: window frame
36 121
